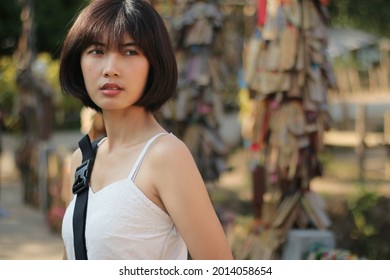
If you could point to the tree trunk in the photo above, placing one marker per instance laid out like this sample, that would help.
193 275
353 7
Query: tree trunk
34 106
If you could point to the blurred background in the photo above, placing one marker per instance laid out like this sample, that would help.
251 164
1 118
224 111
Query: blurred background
283 103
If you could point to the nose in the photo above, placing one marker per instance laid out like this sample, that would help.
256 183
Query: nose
111 66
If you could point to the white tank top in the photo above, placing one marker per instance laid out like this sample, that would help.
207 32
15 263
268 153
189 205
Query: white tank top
122 223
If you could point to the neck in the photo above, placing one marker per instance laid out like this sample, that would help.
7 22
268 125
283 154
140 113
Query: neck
129 127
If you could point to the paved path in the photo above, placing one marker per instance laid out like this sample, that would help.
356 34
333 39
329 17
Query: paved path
24 233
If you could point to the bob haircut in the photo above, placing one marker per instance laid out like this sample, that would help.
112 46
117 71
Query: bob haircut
116 18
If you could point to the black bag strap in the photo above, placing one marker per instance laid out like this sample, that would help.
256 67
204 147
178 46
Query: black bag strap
81 188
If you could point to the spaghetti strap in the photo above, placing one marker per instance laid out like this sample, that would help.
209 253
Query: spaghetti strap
137 165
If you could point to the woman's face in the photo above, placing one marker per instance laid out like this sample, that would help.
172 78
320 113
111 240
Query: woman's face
114 79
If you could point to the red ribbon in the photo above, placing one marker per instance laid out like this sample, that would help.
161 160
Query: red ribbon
261 12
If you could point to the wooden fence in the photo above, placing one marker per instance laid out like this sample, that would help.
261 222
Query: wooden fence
361 139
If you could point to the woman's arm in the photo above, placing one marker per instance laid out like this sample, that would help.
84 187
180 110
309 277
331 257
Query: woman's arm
184 195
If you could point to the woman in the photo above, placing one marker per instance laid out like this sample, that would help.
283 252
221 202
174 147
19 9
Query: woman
147 199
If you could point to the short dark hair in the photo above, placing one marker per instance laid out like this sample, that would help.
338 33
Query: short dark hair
116 18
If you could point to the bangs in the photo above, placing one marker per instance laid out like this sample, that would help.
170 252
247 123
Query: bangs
114 21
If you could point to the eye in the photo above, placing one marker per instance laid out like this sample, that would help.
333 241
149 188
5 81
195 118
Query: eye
131 52
95 51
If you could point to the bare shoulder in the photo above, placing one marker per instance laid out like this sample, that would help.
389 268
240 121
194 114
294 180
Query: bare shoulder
168 156
76 158
75 162
170 148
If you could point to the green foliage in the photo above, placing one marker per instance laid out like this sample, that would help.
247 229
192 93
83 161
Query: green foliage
369 15
360 208
7 84
67 109
52 21
10 26
369 212
362 224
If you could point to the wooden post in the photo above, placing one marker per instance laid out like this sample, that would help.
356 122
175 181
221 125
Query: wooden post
354 79
386 136
360 128
373 79
384 47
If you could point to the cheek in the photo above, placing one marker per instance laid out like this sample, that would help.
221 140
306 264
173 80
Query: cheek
143 66
87 66
140 70
88 73
85 69
145 72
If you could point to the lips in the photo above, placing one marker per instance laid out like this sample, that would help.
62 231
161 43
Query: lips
111 89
